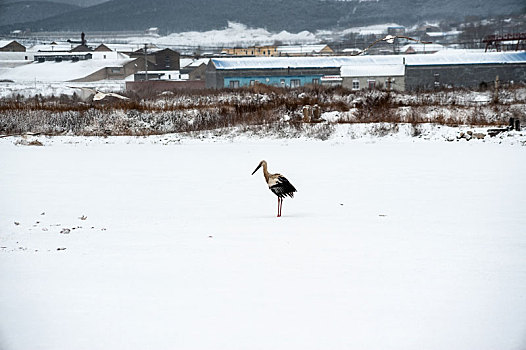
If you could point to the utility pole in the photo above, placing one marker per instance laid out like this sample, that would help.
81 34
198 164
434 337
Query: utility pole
146 61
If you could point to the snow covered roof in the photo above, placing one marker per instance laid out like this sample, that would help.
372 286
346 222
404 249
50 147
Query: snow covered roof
450 57
50 47
447 57
5 42
352 49
174 72
96 55
102 48
298 49
297 62
108 55
183 62
198 62
422 47
380 70
58 71
435 34
440 34
192 63
125 47
51 54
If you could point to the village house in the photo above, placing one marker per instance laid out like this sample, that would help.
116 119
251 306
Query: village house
268 50
421 48
396 30
81 48
331 80
196 69
453 68
157 75
463 69
102 48
273 50
113 70
304 50
159 59
384 76
11 46
275 71
62 56
69 62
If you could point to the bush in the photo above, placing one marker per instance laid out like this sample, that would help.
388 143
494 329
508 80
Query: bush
258 106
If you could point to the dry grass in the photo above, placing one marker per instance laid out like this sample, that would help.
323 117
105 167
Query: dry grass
259 106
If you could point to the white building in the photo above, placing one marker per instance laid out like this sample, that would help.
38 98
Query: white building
387 76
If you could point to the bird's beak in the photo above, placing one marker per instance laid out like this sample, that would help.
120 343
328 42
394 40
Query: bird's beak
259 166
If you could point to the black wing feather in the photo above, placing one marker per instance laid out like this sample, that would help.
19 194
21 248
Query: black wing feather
283 188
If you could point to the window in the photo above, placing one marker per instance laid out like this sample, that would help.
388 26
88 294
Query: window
437 79
315 81
252 82
233 84
295 83
371 84
388 83
356 85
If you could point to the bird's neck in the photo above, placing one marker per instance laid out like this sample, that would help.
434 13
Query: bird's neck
265 172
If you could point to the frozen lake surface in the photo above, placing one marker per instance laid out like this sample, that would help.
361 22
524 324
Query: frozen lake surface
390 244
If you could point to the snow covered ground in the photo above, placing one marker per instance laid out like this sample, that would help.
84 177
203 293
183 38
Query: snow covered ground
171 244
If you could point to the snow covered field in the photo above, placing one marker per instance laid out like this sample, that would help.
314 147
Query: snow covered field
388 244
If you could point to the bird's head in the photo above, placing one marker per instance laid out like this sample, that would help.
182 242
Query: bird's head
262 163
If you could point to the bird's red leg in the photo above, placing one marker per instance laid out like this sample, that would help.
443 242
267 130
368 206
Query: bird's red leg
278 206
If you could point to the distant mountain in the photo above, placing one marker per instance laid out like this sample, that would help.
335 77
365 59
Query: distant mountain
275 15
30 11
81 3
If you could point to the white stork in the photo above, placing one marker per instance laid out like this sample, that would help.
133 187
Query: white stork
278 184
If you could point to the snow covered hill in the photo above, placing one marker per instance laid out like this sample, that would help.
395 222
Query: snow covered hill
276 15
